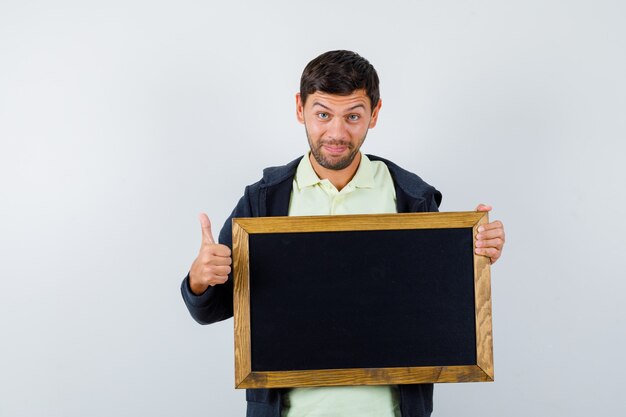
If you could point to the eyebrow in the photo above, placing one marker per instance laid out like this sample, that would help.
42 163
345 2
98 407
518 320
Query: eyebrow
317 103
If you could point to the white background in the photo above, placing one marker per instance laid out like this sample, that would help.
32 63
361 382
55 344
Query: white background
121 120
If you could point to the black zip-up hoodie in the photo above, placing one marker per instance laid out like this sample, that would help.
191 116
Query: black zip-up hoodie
270 197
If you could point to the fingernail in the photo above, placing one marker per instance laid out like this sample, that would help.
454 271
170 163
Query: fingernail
481 229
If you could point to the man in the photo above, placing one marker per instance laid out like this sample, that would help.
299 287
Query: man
338 102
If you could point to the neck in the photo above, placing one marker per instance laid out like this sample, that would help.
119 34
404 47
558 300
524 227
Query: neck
337 177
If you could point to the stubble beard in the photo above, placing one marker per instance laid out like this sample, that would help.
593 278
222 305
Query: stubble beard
334 164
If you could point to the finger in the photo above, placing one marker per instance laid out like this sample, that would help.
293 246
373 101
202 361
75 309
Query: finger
497 224
492 253
491 234
483 207
220 250
220 260
490 243
213 270
205 223
215 255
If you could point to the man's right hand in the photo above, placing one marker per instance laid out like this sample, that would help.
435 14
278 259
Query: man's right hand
212 265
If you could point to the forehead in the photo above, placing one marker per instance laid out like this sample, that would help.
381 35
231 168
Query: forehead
339 102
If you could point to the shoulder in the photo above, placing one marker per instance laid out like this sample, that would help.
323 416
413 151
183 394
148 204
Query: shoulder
408 181
270 193
275 175
278 174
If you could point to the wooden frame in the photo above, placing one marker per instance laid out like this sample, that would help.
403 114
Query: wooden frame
245 377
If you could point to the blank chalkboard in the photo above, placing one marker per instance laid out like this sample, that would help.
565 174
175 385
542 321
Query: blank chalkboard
342 300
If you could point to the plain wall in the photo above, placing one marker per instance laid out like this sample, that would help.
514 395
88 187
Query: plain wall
121 120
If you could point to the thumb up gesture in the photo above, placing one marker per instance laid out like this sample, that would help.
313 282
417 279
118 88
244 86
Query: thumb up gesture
212 265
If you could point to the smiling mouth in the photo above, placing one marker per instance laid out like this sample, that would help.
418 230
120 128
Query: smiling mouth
333 147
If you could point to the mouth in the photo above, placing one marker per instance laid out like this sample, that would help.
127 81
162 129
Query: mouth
334 148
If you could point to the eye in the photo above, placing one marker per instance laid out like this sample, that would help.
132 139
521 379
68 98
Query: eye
323 115
354 117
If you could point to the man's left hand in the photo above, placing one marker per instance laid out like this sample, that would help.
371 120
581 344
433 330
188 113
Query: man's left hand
490 237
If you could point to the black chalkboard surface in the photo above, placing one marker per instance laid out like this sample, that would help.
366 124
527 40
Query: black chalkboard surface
372 301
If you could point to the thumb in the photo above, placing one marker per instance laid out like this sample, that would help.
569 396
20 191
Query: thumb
205 223
483 207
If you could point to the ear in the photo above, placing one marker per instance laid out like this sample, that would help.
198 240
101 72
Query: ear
299 108
374 118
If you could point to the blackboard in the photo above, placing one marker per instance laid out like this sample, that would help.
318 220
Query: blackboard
384 294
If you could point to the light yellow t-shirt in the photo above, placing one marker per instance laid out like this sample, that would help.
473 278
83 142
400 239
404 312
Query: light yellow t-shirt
370 191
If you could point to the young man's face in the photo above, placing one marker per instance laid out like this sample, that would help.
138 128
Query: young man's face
336 126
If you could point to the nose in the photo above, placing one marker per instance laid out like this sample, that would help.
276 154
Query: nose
336 129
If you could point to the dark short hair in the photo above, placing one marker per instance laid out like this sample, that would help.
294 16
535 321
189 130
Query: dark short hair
340 72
